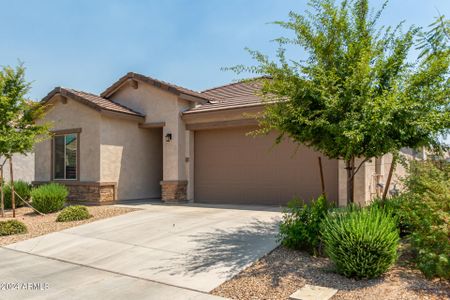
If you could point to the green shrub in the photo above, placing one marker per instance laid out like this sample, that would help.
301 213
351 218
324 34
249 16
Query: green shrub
426 207
395 207
432 250
12 227
22 188
73 213
300 227
49 198
362 243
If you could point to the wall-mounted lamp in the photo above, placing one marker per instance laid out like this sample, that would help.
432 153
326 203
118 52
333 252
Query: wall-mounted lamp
168 137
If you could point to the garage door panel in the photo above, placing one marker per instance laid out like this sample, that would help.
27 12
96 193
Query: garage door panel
232 167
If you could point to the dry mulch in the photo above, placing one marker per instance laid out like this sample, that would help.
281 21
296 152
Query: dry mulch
39 225
283 271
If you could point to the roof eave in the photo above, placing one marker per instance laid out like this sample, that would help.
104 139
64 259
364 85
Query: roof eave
122 115
65 93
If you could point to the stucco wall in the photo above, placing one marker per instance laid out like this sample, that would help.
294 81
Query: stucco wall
23 167
190 161
400 171
367 178
161 106
68 116
131 157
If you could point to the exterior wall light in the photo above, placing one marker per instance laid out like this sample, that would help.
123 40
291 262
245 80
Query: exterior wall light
168 137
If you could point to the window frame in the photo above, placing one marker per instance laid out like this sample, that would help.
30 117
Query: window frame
75 131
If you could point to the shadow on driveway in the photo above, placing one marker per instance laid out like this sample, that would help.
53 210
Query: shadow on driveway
228 251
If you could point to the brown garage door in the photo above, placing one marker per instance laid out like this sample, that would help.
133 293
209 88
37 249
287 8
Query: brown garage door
231 167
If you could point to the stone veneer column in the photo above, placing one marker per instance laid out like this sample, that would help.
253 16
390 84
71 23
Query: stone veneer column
173 191
174 184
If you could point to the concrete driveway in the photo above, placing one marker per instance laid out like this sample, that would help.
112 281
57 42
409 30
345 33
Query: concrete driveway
158 252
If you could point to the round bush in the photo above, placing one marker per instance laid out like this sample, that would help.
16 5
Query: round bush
12 227
22 188
73 213
49 198
362 243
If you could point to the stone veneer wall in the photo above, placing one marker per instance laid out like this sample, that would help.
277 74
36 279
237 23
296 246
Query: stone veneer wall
89 192
174 190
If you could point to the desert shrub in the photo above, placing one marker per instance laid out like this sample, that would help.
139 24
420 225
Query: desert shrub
11 227
426 206
300 227
395 208
362 243
49 198
432 251
22 188
73 213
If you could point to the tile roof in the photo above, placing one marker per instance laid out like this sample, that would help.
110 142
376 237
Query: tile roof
175 89
239 94
92 100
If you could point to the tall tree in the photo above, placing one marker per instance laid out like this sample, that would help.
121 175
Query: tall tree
18 130
357 94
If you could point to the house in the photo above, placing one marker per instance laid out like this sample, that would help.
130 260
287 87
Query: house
143 138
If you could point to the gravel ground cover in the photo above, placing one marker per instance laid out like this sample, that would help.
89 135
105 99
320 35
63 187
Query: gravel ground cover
39 225
283 271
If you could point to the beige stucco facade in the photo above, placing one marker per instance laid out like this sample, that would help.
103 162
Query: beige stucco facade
67 116
160 150
23 167
160 106
371 179
131 157
112 150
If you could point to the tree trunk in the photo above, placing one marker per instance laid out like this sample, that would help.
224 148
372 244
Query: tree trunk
350 167
322 181
2 193
13 194
388 180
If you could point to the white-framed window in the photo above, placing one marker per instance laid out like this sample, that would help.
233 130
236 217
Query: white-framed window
65 156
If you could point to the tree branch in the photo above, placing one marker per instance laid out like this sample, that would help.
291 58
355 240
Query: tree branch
360 165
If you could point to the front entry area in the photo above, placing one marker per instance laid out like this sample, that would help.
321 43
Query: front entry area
233 167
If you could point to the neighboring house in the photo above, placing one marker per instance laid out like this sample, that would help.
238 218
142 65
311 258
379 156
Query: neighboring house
143 138
23 167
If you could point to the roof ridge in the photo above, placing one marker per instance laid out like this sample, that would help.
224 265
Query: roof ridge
153 81
87 93
235 83
166 82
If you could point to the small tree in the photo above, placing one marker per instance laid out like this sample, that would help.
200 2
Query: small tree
18 130
356 95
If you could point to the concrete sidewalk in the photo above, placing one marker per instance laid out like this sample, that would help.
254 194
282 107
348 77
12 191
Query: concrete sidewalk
62 280
188 247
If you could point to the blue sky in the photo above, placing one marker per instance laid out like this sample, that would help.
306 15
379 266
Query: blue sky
87 45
